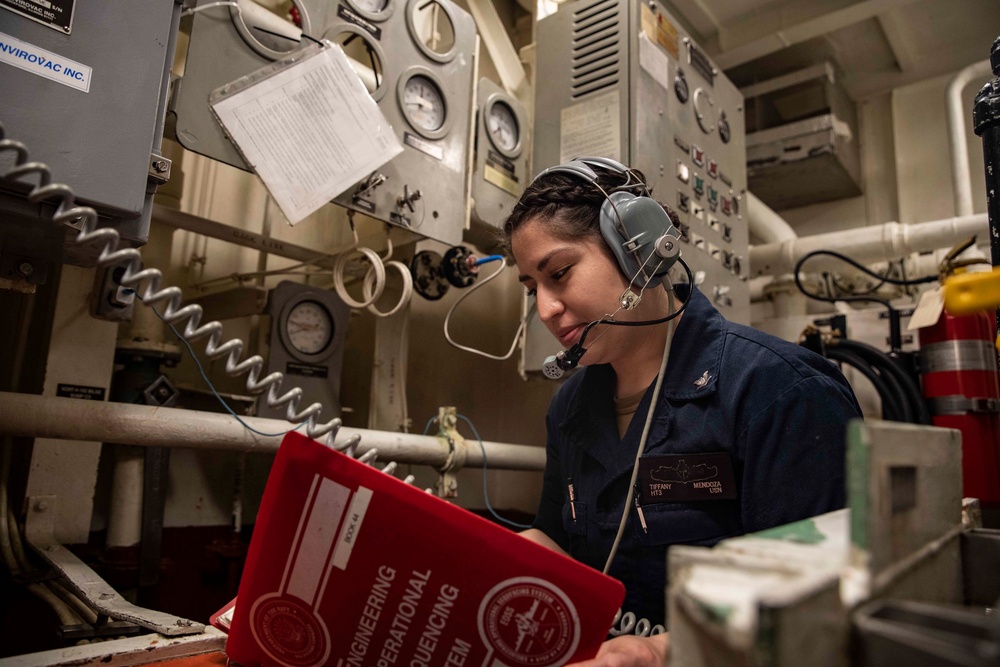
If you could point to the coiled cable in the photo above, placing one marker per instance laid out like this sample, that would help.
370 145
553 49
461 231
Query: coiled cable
371 294
900 387
371 283
147 283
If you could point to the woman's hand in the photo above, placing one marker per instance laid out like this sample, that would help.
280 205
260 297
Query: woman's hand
631 651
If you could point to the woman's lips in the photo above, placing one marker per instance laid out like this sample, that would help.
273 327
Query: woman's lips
569 336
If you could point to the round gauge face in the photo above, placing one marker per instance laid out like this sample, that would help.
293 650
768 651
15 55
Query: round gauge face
681 87
504 131
423 103
725 133
309 327
373 6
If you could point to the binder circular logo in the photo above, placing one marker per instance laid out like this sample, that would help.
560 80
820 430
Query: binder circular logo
529 622
289 631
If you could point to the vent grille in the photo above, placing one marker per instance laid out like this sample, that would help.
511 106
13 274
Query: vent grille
596 55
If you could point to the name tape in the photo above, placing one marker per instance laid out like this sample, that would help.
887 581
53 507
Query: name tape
44 63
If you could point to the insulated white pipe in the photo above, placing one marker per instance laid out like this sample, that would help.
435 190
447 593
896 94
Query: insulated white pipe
961 179
765 224
29 415
866 244
125 518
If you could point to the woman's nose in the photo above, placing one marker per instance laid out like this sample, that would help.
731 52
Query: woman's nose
549 306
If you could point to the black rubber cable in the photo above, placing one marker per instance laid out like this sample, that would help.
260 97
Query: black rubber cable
890 403
882 361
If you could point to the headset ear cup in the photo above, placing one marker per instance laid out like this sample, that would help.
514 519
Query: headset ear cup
611 229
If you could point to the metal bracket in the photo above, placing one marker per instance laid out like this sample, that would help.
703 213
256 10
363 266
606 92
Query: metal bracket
39 529
159 169
447 482
959 405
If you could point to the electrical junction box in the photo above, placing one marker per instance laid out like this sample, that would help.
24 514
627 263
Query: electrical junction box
417 58
623 80
86 94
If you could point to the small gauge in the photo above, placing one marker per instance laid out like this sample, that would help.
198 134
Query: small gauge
309 327
423 103
502 124
725 133
681 87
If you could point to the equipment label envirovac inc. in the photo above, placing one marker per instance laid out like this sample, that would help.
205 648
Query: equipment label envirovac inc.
56 14
44 63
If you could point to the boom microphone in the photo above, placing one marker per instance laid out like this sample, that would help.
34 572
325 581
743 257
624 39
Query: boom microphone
556 365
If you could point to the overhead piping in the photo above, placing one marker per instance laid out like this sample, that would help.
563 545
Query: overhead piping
958 120
866 244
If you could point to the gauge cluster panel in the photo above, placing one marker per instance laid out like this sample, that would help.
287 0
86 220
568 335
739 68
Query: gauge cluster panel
501 158
416 57
308 329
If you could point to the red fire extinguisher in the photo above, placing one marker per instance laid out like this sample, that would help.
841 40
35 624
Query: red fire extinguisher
962 386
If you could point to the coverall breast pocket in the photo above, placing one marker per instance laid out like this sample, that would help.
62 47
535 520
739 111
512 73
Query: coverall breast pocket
687 523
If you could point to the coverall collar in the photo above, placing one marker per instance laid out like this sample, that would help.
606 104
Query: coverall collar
692 373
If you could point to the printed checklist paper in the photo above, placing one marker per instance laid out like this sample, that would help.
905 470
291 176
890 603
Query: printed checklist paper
310 131
349 566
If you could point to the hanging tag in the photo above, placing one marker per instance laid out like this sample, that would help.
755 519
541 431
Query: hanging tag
307 126
928 310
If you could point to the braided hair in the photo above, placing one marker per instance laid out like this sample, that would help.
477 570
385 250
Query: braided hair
569 205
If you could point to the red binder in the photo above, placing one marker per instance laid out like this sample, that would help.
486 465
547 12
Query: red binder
350 567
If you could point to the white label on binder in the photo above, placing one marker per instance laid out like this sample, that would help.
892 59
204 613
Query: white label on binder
317 539
352 526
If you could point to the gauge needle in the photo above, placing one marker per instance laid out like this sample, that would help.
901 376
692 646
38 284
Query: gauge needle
303 326
420 102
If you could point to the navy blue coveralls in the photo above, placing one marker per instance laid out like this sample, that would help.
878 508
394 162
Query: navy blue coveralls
774 410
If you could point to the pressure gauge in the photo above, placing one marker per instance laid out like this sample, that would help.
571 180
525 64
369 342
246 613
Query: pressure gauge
270 33
432 28
306 328
376 10
423 103
503 128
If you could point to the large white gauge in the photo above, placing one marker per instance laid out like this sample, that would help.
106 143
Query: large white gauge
272 34
376 10
503 127
423 102
432 27
307 328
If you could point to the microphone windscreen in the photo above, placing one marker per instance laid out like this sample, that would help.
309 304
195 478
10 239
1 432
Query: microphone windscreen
550 368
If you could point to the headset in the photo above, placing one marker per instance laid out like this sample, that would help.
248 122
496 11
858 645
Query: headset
641 235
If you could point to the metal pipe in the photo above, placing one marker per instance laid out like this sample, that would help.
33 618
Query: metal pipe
961 180
237 236
866 244
765 224
500 48
29 415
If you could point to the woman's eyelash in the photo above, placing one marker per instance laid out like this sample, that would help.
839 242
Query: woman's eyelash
530 292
